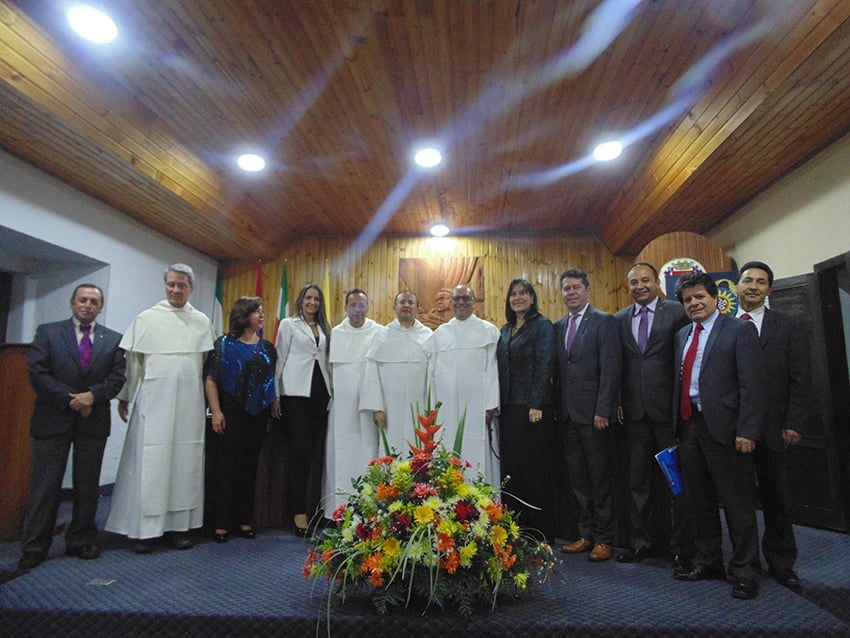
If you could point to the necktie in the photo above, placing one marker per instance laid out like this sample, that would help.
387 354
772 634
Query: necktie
85 347
746 316
571 333
687 368
643 328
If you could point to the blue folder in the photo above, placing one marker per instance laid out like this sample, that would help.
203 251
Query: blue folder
668 459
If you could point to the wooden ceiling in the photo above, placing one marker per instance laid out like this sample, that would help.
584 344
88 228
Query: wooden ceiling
717 99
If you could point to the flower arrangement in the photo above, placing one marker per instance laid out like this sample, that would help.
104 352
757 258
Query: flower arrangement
420 527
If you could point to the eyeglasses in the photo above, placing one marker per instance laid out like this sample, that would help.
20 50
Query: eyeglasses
464 298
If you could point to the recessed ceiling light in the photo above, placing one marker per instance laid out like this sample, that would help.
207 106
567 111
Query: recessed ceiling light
92 24
428 157
607 151
439 230
251 162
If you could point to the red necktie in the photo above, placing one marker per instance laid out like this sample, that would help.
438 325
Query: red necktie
85 347
746 316
687 369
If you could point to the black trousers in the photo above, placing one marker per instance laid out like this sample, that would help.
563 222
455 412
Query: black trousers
710 471
235 453
590 460
778 543
305 427
648 488
49 458
526 456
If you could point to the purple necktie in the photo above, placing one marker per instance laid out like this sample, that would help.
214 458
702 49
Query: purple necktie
643 328
85 347
571 333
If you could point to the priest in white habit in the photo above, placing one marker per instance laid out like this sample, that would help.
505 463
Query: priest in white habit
352 439
463 375
397 374
159 485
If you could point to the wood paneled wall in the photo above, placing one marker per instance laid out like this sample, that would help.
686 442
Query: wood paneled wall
540 259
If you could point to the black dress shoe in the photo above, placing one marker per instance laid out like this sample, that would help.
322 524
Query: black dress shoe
745 589
90 551
30 560
143 546
220 538
702 572
247 533
634 555
787 579
300 531
181 540
681 563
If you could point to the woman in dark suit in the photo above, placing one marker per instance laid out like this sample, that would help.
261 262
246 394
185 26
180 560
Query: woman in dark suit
240 388
526 356
303 342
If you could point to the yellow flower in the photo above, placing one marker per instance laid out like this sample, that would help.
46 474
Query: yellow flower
514 530
433 502
367 489
404 467
467 552
423 514
392 547
463 490
521 579
498 536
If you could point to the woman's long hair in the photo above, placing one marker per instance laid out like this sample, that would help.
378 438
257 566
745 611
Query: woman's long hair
240 314
510 315
321 315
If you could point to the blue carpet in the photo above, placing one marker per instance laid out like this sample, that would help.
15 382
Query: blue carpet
255 588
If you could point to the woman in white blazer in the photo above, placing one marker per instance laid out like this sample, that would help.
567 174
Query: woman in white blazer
305 387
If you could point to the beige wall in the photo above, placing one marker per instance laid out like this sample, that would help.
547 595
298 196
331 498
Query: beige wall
801 220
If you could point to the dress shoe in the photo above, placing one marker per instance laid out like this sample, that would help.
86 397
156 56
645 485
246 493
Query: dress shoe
577 547
601 552
30 560
143 546
220 538
300 531
681 563
247 533
702 572
633 555
745 589
787 579
89 551
181 540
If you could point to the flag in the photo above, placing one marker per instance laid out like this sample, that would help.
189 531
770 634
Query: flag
282 300
218 306
258 291
326 289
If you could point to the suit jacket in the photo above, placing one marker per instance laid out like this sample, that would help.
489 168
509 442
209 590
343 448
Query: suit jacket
54 371
589 376
732 379
296 353
647 383
784 343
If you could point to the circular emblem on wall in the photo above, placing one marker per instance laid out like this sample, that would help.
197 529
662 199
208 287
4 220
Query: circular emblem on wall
727 296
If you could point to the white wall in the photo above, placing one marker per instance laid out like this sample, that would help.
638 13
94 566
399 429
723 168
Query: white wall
125 257
801 220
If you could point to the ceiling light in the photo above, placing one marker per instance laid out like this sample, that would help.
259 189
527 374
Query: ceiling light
607 151
251 162
439 230
428 157
92 24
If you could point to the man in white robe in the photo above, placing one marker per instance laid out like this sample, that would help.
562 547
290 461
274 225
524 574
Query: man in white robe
397 374
352 439
159 485
463 375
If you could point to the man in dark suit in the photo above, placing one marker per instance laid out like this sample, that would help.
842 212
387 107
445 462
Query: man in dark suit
784 345
719 395
588 370
647 328
75 368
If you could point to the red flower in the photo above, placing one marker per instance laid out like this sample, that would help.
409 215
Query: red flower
465 511
339 513
363 532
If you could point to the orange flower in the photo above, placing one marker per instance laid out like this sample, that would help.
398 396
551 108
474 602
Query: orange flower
444 542
451 562
376 578
327 555
387 492
372 563
494 512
